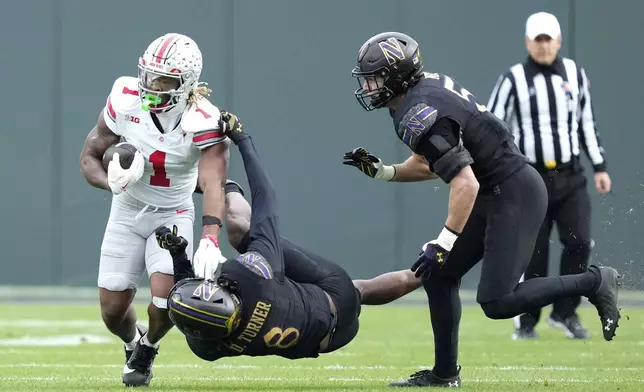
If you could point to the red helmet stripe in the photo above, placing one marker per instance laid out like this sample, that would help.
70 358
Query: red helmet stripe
164 46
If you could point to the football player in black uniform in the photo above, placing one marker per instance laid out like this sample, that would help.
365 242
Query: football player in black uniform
257 304
497 202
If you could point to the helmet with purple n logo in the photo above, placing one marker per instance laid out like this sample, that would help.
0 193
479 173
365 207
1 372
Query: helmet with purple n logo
204 310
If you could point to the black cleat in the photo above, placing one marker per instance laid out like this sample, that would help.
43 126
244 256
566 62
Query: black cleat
426 378
138 370
571 326
525 333
128 353
605 300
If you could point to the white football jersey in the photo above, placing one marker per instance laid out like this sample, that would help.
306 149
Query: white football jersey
172 158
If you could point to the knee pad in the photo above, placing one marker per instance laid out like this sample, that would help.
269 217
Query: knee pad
160 303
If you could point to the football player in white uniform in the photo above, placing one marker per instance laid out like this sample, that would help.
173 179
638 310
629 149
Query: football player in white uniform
165 115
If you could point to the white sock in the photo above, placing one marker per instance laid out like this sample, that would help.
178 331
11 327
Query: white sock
130 346
145 341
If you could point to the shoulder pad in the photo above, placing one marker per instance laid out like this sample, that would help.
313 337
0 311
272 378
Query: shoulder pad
256 263
201 117
125 94
415 122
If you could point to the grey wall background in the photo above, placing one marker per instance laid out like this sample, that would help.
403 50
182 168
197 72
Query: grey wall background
284 67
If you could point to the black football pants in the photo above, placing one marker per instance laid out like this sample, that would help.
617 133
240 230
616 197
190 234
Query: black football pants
501 231
569 208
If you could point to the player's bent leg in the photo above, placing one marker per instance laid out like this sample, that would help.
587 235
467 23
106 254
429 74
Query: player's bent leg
138 370
158 263
387 287
118 314
516 223
120 267
537 268
442 289
159 322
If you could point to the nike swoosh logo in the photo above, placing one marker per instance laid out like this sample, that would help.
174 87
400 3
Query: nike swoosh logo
127 370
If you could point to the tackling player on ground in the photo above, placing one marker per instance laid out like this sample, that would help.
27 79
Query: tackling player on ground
175 129
497 201
275 298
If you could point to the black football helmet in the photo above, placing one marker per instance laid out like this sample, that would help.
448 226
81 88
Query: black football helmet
202 309
388 64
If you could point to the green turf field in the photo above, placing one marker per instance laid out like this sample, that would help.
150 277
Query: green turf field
66 348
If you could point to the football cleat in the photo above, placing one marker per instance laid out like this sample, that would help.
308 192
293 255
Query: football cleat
427 378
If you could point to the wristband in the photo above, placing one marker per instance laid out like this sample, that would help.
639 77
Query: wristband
207 220
446 239
386 173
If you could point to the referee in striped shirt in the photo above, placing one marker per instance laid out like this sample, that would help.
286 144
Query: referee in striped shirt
546 100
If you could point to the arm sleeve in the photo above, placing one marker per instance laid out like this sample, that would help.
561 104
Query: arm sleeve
182 267
264 222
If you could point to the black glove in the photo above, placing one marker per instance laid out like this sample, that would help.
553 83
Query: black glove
169 240
231 126
369 164
431 256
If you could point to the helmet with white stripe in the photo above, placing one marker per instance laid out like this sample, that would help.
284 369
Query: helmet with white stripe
169 71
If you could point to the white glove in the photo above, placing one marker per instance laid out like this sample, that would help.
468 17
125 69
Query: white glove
118 178
208 258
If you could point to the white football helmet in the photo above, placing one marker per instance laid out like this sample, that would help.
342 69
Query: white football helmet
176 59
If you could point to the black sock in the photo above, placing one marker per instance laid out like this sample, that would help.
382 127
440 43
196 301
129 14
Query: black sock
445 312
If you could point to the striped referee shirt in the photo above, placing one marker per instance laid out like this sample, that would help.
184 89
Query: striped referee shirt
550 112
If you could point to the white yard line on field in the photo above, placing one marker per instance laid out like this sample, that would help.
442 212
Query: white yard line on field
86 379
321 367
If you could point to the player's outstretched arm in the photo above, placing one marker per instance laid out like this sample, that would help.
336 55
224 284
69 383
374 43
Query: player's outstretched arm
264 222
97 141
414 169
213 170
387 287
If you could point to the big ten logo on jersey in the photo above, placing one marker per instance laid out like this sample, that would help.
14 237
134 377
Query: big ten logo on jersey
460 91
129 117
254 325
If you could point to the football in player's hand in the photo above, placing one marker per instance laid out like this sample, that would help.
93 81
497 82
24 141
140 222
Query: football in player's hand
126 154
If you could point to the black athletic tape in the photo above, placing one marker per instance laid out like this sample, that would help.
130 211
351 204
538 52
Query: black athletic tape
233 187
207 220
